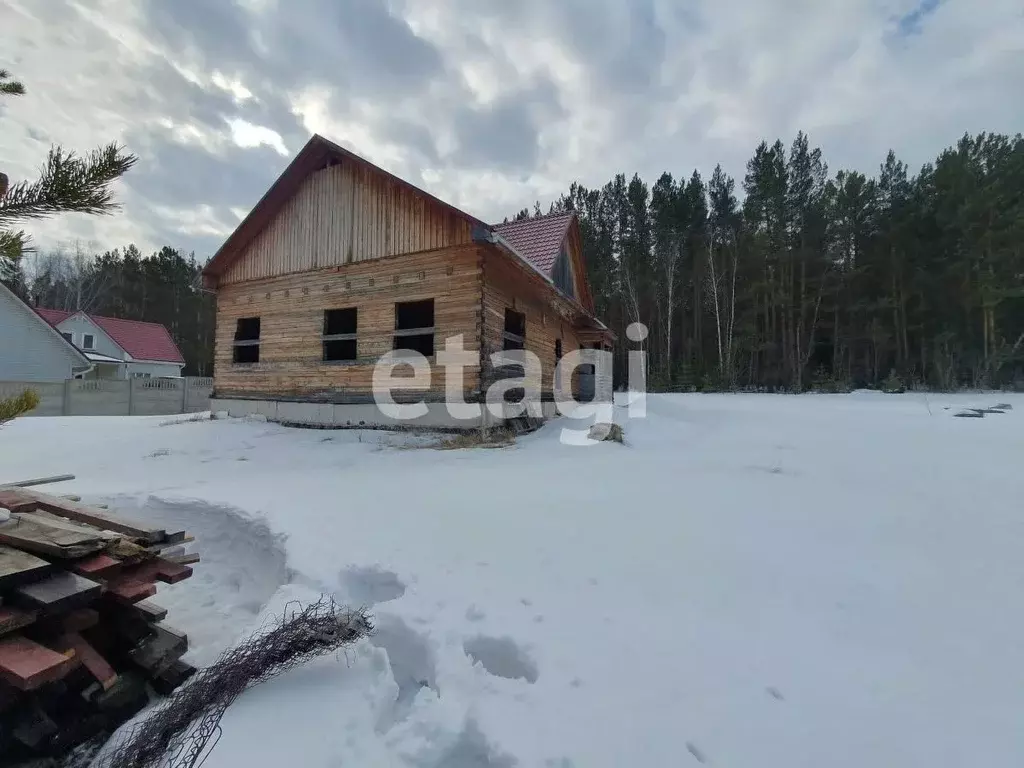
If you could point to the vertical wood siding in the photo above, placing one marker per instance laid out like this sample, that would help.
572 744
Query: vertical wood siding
343 214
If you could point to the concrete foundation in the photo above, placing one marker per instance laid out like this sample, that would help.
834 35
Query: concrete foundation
363 415
341 416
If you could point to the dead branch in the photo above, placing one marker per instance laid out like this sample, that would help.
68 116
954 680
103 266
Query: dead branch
179 732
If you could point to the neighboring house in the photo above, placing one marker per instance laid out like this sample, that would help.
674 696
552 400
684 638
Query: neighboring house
118 349
32 350
341 262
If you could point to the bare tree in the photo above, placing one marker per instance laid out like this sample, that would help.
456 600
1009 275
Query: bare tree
67 278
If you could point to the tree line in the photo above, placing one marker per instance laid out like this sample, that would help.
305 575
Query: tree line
793 279
814 280
160 288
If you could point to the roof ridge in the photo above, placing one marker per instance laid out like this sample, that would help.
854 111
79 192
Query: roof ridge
126 320
529 219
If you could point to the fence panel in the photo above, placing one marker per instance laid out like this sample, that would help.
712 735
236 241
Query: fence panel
98 397
51 395
116 397
198 390
157 397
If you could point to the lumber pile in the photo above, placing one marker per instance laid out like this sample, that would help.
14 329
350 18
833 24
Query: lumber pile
82 649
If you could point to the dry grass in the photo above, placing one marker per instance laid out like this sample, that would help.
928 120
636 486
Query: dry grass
12 407
201 416
495 438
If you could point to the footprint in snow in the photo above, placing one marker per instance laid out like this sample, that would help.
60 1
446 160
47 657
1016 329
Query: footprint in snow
501 657
370 586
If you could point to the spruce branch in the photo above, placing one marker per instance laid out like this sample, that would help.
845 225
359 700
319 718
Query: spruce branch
69 183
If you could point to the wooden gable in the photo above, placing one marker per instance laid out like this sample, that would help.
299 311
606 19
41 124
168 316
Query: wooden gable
573 248
342 214
331 207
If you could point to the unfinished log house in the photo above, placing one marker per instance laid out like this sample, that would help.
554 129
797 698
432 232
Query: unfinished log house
341 262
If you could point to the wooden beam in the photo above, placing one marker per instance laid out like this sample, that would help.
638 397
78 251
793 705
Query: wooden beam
43 517
159 569
99 566
157 654
131 591
83 513
191 559
38 481
27 665
36 536
12 619
151 611
60 592
177 673
89 658
17 567
15 501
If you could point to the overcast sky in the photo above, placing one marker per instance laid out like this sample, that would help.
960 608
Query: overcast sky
489 104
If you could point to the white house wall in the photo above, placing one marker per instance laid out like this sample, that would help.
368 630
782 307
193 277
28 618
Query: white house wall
79 325
154 369
29 351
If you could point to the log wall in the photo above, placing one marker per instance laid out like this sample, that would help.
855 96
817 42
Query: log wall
506 286
291 311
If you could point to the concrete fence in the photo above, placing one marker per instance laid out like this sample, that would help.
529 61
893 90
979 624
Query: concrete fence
115 397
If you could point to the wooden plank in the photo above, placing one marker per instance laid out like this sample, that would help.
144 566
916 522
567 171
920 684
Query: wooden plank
167 646
151 611
171 678
17 567
173 540
42 517
60 592
99 566
126 697
15 501
159 569
130 591
190 559
27 665
12 618
83 513
90 658
32 535
38 481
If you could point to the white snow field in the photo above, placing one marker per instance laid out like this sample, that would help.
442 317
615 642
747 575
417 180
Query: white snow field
752 581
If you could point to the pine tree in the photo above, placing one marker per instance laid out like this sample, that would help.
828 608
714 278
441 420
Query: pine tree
67 183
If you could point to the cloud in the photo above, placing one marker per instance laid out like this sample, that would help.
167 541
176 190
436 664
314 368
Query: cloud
486 103
911 23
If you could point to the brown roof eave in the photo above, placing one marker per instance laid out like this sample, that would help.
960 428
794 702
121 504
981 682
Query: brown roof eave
577 309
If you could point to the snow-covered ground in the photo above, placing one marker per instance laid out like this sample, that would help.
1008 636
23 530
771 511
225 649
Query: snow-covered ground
752 581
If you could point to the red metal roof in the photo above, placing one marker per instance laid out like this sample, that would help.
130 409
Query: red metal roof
53 316
141 340
538 239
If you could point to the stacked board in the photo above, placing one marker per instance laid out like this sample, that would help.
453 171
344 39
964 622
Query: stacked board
82 649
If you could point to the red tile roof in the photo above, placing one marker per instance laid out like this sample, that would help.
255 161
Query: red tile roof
143 341
538 239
